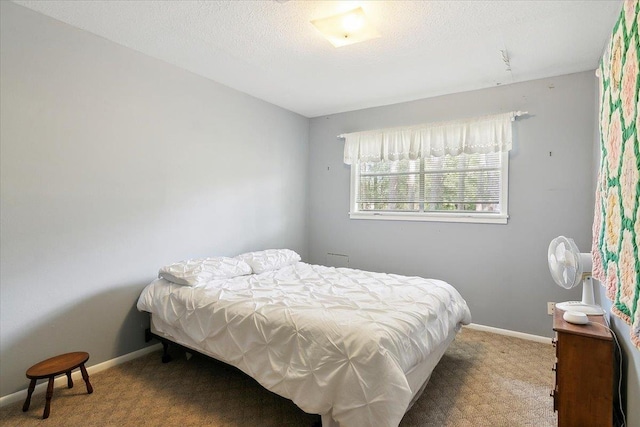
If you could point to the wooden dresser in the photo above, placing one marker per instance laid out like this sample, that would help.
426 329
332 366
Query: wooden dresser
583 392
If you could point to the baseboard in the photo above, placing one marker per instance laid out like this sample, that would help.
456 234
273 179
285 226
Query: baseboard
522 335
76 375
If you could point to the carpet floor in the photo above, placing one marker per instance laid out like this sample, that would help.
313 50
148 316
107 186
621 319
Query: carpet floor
483 379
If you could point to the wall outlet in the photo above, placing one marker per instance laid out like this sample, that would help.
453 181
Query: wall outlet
550 307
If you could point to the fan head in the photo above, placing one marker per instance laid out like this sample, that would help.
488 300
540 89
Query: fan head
568 268
567 265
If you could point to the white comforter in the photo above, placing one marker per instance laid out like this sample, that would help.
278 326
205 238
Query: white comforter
334 341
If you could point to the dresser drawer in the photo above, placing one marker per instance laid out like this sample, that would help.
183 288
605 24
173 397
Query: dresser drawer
583 390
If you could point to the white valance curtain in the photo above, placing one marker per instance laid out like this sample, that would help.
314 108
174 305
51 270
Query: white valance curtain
487 134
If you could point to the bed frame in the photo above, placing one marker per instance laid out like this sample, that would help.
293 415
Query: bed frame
166 358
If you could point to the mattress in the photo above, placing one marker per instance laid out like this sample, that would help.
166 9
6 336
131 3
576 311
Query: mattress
353 346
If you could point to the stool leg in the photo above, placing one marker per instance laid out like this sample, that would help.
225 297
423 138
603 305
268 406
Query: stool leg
85 377
47 406
27 402
69 380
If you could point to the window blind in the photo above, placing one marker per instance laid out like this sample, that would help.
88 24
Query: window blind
469 182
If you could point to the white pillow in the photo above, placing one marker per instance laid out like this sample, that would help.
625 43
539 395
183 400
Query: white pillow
271 259
193 272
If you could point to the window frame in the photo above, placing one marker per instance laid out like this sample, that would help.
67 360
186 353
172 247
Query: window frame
464 217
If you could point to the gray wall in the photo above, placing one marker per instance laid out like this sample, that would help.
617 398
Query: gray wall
501 270
113 164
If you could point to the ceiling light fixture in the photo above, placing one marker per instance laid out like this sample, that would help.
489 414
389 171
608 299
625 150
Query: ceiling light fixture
346 28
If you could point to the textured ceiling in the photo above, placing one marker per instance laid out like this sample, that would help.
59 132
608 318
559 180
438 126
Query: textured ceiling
269 49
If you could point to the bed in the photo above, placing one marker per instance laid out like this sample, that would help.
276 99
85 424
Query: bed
356 347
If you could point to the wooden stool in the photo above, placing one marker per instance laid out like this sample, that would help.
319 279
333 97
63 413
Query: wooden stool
63 364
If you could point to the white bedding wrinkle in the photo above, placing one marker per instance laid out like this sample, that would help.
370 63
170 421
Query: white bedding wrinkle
334 341
270 259
194 272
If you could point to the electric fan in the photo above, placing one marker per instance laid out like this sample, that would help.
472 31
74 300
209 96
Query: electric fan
568 268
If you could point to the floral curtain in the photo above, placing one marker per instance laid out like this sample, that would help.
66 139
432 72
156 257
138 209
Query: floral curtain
616 227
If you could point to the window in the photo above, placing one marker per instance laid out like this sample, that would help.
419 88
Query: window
462 188
453 171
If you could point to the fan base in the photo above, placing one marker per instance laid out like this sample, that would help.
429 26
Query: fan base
589 309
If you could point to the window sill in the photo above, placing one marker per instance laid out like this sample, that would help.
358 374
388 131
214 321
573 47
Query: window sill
432 217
